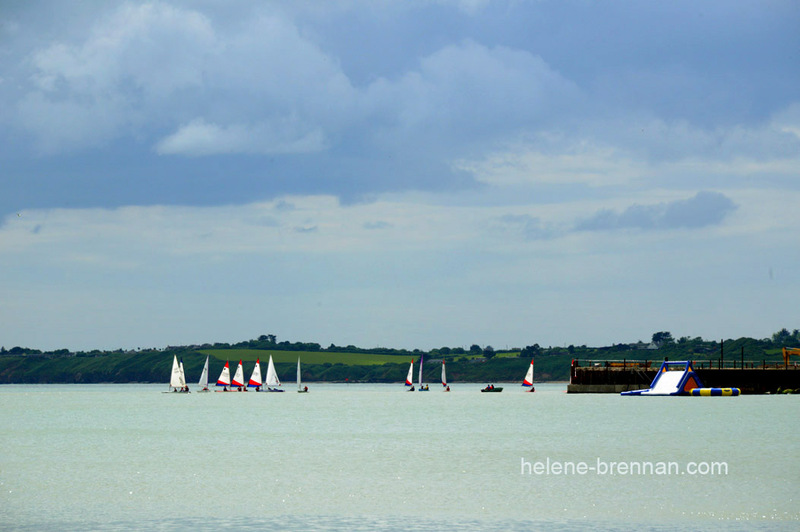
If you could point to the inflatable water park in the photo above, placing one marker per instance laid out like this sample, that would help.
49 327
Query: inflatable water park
679 378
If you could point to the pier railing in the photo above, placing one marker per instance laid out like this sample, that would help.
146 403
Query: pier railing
696 363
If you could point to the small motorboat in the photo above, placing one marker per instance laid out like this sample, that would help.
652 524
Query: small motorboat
492 388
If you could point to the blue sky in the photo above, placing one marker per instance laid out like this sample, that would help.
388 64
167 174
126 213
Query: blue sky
409 173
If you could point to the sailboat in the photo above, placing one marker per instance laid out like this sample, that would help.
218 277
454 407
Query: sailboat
238 377
272 378
300 388
444 378
183 377
224 378
177 379
419 382
203 382
410 376
255 377
529 378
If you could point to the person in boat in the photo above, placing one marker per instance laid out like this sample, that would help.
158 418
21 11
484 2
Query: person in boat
258 388
411 389
305 388
447 389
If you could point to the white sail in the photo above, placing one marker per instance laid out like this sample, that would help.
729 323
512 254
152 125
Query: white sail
204 377
225 376
299 384
255 378
421 357
272 376
175 379
444 376
183 375
238 377
410 376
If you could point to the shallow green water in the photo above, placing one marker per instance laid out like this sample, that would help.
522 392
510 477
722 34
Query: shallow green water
368 457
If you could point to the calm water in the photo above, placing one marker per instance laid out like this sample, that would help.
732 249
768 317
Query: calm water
373 457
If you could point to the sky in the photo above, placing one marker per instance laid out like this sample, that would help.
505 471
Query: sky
410 174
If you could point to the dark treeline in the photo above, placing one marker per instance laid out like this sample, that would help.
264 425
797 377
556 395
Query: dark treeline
476 364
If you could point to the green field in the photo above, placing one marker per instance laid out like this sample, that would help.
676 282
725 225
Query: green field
306 357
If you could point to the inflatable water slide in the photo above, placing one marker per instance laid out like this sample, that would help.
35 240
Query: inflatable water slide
679 378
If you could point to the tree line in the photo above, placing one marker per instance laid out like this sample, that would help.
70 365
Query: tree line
662 341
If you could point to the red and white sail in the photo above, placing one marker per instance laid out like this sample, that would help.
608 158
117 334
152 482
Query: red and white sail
255 378
238 377
529 376
410 374
225 376
444 375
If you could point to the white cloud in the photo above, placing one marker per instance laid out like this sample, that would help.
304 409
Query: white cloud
151 67
151 47
625 151
470 90
201 138
583 163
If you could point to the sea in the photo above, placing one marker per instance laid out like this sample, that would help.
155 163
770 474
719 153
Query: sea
366 457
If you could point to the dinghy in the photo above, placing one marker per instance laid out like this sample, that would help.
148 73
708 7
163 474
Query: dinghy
492 388
224 378
528 381
177 379
272 378
410 376
238 377
255 378
183 377
300 388
419 381
203 382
